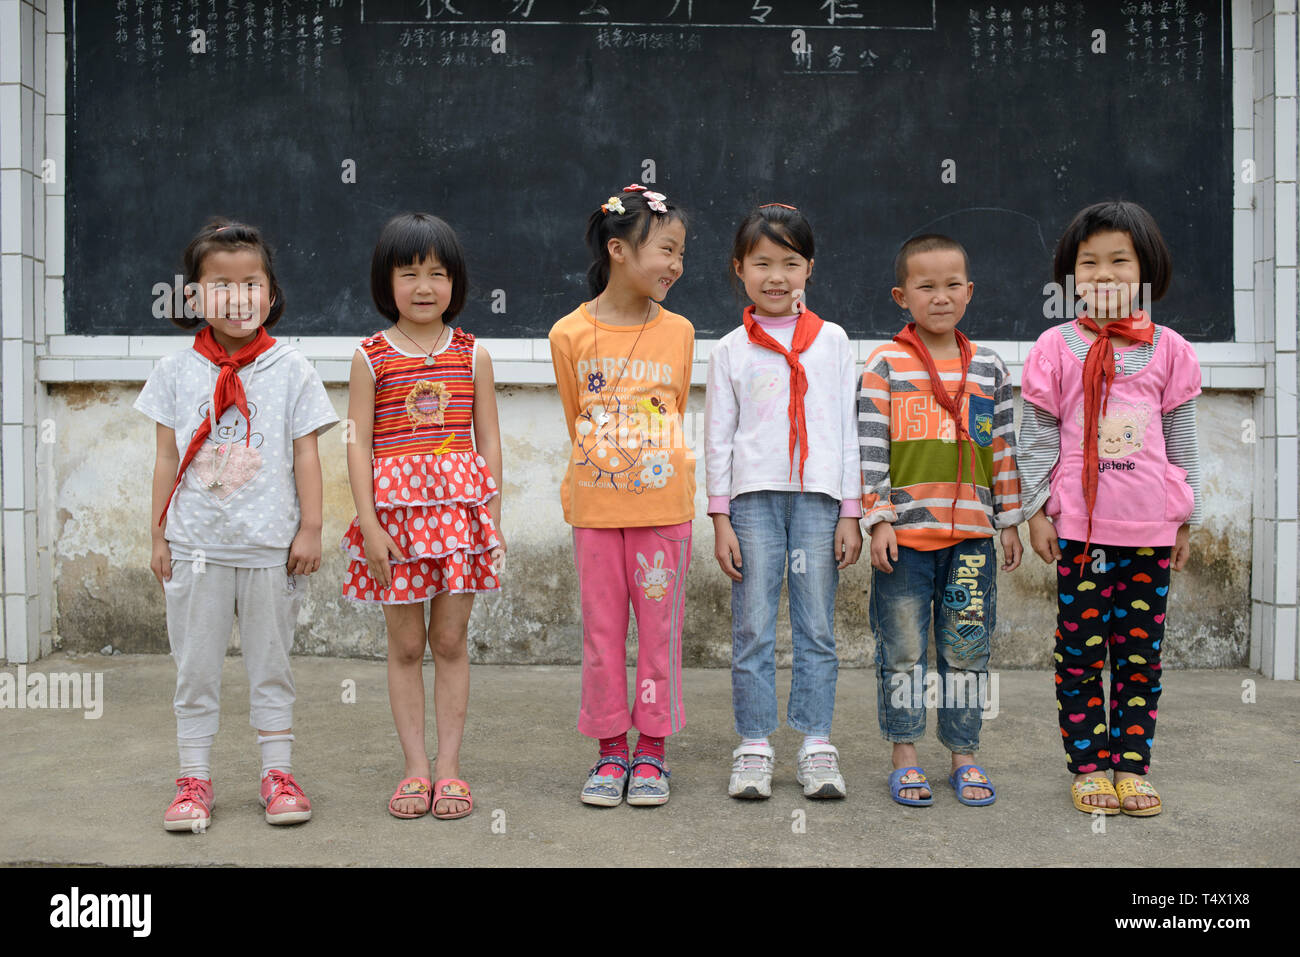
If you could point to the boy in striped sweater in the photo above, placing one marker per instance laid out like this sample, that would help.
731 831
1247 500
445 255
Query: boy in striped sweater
938 479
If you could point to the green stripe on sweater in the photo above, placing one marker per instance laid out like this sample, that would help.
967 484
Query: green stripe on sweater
915 461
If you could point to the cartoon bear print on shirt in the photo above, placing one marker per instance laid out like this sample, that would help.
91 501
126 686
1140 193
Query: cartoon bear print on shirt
226 464
1121 432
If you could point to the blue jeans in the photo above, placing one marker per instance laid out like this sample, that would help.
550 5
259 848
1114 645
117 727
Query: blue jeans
958 586
771 526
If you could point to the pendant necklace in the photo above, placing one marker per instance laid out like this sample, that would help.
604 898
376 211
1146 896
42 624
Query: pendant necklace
603 418
428 357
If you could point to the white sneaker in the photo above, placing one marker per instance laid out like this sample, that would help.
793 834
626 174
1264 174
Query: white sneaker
751 771
819 772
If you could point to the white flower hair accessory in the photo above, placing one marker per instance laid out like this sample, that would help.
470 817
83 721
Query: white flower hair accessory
613 205
654 200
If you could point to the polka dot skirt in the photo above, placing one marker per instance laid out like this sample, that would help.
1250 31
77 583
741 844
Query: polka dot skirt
435 508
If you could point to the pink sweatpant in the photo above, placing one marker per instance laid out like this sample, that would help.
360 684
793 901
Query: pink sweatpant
648 566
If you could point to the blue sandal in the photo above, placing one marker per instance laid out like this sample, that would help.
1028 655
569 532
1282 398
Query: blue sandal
972 775
648 791
903 778
606 790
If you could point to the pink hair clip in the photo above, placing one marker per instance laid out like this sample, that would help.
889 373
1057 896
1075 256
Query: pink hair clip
654 200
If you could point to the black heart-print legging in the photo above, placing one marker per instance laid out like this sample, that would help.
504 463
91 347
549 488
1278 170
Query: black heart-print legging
1111 599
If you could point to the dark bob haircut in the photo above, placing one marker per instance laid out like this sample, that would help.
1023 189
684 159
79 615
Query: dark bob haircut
633 226
408 238
226 235
1154 261
927 243
784 225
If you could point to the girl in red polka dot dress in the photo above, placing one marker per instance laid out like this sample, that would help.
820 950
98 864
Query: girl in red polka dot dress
422 468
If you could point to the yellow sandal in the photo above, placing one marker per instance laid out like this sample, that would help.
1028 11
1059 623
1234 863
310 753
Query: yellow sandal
1098 785
1132 787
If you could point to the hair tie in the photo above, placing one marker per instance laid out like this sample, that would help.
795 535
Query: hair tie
613 205
782 205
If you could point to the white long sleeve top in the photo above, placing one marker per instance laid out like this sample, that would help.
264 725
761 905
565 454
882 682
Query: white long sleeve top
747 424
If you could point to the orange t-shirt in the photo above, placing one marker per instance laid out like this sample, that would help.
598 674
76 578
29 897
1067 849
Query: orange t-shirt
624 389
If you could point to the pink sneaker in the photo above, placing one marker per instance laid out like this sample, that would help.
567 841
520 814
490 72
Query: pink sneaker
283 799
192 808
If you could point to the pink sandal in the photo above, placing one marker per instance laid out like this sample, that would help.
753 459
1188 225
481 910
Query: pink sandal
452 789
411 788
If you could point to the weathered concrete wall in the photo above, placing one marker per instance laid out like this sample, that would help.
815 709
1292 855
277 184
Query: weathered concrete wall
106 595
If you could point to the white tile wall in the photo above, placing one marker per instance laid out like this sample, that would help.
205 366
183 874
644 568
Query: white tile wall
1285 651
54 228
1284 60
53 307
11 461
1284 149
15 579
1286 477
1285 305
10 42
11 293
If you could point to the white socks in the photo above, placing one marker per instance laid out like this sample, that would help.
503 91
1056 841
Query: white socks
276 752
810 739
754 742
196 757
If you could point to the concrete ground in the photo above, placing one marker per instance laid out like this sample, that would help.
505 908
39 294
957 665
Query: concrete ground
1228 771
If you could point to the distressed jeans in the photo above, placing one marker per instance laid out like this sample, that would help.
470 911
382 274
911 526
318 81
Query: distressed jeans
956 587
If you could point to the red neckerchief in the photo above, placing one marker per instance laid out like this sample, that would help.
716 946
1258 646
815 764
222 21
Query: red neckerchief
229 391
951 403
805 332
1098 373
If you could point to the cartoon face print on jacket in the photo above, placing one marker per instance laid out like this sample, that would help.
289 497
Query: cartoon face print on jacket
227 463
1121 431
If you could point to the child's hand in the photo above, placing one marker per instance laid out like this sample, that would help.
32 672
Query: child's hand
1011 548
160 563
1182 549
304 553
848 542
726 547
884 547
380 547
1042 538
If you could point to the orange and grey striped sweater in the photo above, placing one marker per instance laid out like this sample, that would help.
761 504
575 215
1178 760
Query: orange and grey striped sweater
909 452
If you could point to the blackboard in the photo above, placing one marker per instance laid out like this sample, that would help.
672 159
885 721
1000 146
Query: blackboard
851 111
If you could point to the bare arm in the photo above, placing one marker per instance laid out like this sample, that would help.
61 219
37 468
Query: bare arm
487 428
361 426
166 463
380 546
305 552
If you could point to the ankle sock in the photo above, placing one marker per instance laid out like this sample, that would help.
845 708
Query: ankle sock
611 746
276 752
810 739
755 743
654 747
196 757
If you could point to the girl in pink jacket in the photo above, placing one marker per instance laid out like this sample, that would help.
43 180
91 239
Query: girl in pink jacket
1110 478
